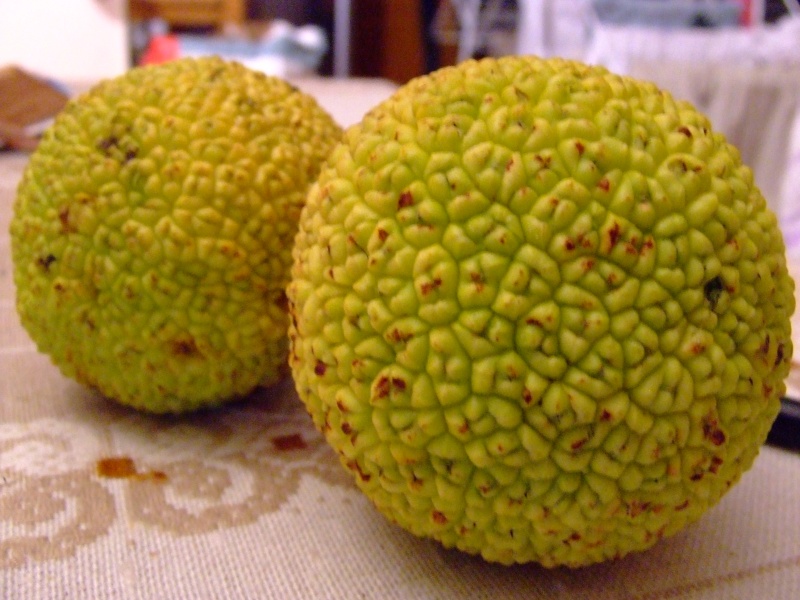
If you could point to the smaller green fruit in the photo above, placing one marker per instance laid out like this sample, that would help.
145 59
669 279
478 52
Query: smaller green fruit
152 231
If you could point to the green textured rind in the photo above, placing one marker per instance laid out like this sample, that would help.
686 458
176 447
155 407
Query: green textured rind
152 231
541 311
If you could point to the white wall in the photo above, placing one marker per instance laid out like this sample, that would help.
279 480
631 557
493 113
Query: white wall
69 40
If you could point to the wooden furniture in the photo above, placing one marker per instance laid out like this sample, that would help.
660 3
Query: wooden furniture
386 39
190 13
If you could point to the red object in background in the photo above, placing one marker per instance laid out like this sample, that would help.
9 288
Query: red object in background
746 18
161 48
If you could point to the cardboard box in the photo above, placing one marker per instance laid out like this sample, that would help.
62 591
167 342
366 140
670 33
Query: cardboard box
28 105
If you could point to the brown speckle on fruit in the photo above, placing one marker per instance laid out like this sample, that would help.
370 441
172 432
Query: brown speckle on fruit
405 200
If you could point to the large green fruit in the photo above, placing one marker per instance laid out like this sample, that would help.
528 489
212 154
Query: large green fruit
540 310
153 226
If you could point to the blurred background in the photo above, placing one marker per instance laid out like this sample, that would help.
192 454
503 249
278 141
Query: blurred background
393 39
736 60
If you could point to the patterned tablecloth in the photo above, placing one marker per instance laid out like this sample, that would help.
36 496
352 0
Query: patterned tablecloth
97 501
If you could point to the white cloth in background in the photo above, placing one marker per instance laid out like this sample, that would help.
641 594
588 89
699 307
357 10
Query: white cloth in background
790 194
617 46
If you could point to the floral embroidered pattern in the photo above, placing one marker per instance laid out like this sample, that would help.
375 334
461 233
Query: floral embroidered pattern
192 475
236 482
50 517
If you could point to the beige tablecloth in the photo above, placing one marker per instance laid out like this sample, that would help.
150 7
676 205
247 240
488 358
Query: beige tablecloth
97 501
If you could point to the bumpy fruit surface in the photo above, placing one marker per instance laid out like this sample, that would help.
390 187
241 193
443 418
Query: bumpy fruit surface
540 310
153 226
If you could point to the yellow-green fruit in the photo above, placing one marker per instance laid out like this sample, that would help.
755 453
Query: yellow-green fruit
153 226
540 310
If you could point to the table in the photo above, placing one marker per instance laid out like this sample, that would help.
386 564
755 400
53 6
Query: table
97 501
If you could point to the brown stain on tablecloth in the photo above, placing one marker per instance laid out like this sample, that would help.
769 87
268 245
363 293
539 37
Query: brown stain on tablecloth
123 467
